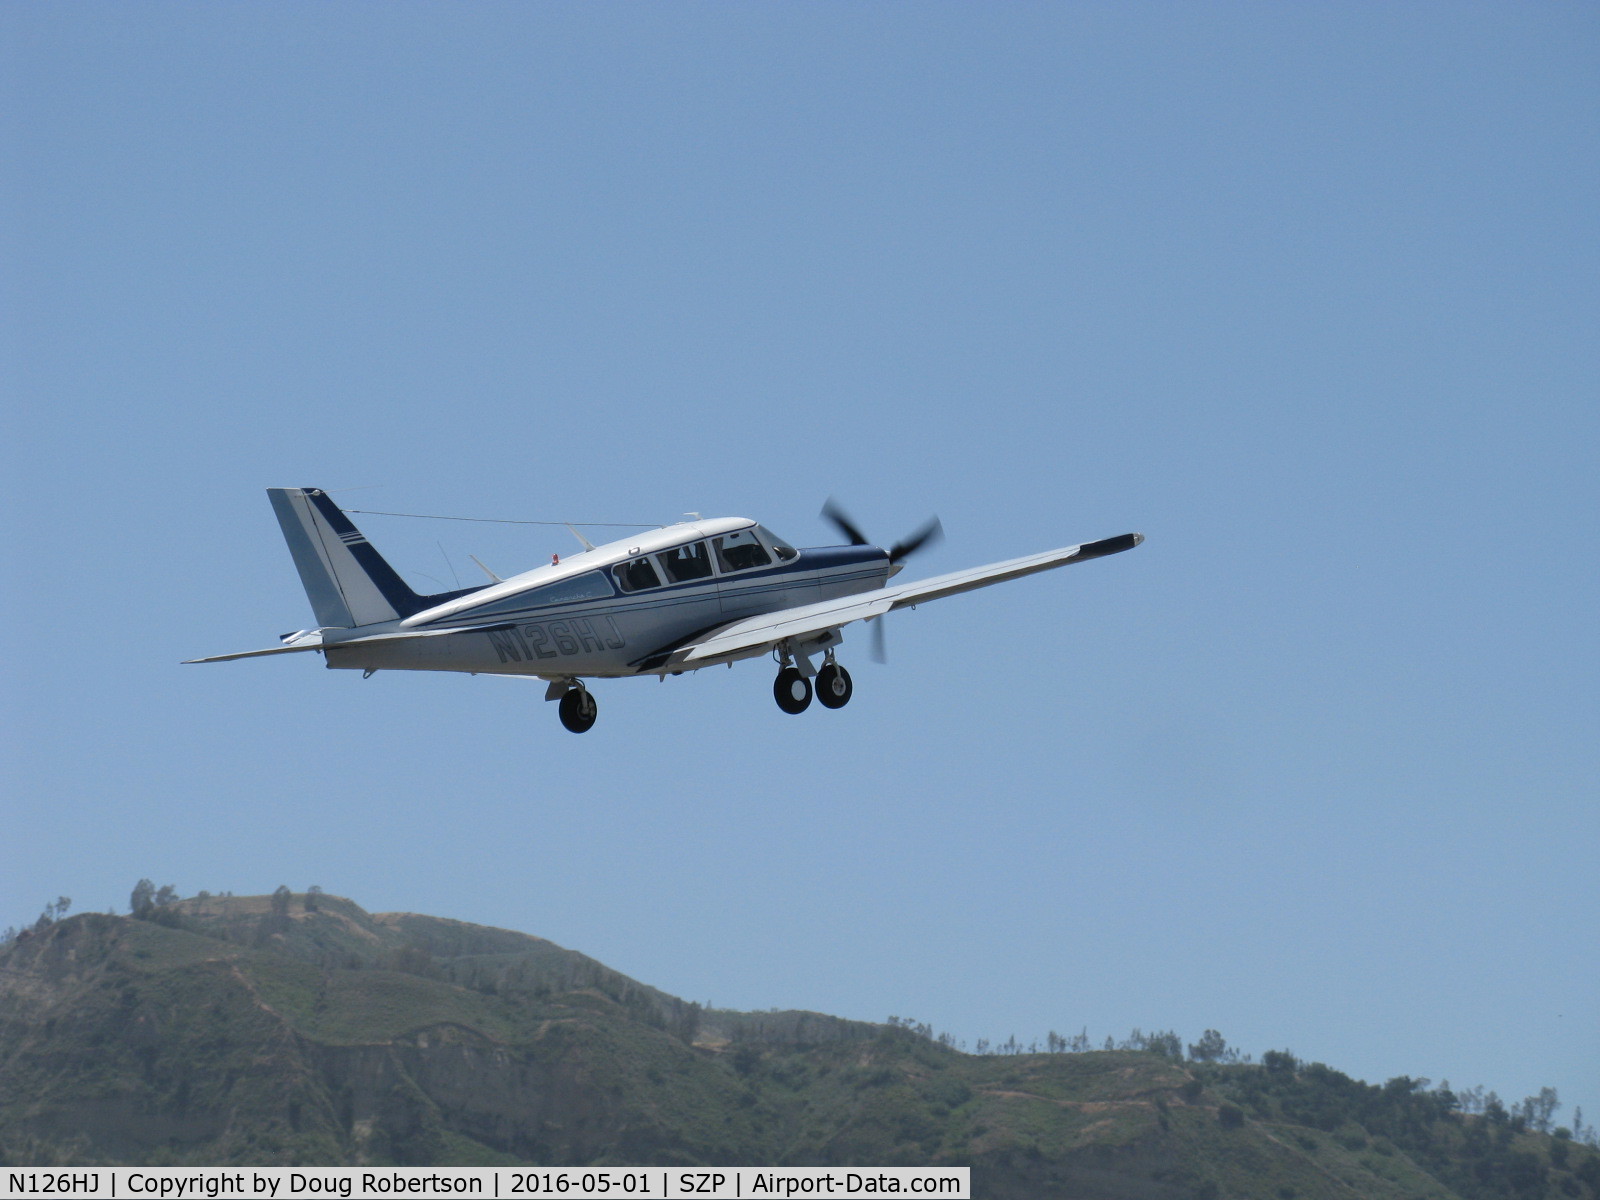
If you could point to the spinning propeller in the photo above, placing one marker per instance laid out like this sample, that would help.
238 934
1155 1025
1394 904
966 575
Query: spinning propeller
930 532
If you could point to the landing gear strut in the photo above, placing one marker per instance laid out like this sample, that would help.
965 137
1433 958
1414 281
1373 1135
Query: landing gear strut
792 691
578 709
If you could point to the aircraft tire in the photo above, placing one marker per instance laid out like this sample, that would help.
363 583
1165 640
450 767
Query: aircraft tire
578 710
792 691
834 688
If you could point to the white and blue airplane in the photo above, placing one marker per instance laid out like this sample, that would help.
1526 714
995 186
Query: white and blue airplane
696 594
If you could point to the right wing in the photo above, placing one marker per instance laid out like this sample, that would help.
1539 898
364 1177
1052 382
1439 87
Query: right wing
754 634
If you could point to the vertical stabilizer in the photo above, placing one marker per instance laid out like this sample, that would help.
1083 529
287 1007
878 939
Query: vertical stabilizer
346 579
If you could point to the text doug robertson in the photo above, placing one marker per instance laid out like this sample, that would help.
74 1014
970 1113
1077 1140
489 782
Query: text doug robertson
238 1184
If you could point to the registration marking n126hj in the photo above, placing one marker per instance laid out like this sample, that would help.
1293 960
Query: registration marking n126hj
552 639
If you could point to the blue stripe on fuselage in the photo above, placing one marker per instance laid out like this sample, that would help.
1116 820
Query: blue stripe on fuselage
823 557
816 566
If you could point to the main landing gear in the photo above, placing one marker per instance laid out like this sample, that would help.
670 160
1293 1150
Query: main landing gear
578 709
793 691
833 685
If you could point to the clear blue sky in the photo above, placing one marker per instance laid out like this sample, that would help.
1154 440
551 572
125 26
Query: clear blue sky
1307 294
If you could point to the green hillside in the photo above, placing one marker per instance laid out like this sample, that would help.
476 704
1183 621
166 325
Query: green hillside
304 1030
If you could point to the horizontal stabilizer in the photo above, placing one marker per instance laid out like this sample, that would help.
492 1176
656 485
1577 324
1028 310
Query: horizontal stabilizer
315 641
255 653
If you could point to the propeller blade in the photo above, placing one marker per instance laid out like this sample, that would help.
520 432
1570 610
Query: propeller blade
932 532
880 650
843 523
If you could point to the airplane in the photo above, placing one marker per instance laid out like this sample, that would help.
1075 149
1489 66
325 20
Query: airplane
681 597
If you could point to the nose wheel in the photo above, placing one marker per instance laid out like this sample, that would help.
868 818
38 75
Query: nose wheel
578 709
792 691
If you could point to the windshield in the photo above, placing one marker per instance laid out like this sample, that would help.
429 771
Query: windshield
781 548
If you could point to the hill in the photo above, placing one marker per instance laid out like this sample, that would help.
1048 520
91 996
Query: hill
304 1030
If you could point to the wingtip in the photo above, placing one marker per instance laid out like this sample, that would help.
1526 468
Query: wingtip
1110 545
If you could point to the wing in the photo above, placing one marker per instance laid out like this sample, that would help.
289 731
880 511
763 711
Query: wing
755 634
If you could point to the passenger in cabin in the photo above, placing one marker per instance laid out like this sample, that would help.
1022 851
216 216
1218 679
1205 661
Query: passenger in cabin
685 563
636 575
740 552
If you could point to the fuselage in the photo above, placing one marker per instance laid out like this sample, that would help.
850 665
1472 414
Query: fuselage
619 609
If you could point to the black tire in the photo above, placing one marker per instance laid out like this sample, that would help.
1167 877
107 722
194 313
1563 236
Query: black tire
834 688
578 710
792 691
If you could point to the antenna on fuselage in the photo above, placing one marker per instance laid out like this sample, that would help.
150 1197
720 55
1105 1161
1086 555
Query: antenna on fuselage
485 569
587 544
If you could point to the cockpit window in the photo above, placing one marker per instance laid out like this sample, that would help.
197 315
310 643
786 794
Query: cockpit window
781 548
684 563
636 575
740 551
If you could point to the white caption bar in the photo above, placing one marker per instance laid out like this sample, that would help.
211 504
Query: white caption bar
363 1183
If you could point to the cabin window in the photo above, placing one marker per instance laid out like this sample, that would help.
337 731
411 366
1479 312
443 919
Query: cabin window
636 575
685 563
740 551
784 551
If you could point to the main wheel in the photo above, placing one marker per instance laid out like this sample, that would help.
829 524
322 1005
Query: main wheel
792 691
833 686
578 710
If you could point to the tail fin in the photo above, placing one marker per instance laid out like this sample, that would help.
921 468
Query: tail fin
346 579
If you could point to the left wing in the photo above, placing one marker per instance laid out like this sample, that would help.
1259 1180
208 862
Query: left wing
755 633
